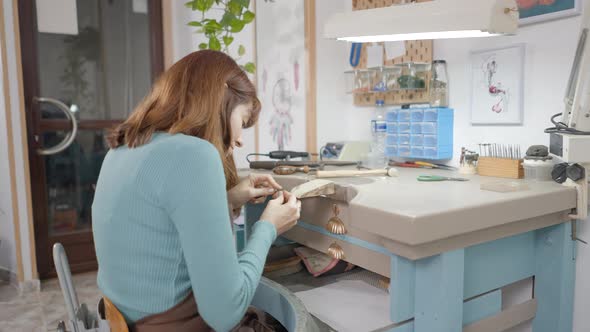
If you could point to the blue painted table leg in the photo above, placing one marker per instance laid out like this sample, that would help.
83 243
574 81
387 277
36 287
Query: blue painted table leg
408 327
403 275
554 279
439 293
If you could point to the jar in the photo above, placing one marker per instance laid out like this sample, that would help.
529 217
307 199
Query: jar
359 80
413 75
385 79
439 84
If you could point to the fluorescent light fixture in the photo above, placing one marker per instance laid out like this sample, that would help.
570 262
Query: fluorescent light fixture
438 19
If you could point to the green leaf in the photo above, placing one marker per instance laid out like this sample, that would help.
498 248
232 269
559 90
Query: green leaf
227 40
237 25
214 44
194 5
241 50
227 19
203 46
234 7
203 5
195 24
212 27
214 24
248 17
199 5
244 3
250 67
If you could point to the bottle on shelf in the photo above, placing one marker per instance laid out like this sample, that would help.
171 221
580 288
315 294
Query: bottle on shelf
439 84
377 157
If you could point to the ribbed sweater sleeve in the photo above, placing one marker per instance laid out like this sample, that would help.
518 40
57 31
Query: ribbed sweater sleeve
195 198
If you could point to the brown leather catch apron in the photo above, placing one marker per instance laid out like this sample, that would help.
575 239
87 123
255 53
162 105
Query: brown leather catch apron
184 317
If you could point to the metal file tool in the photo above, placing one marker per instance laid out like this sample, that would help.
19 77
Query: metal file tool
502 151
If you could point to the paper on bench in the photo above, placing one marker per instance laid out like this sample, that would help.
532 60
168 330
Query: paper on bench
348 305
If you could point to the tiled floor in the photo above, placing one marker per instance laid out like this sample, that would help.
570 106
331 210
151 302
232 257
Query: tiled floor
42 311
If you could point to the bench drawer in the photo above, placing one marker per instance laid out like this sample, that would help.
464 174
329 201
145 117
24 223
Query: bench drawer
366 258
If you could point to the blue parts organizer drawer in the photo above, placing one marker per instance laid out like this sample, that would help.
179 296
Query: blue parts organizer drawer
416 127
425 133
391 116
430 140
403 139
429 127
431 114
391 127
403 127
430 152
403 115
403 150
417 140
391 150
417 151
391 140
417 115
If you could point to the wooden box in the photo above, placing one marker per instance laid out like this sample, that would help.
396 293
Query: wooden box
500 167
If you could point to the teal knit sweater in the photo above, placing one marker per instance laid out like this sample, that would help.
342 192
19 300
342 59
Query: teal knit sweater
161 229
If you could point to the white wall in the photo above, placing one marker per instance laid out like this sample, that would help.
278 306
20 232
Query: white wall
550 52
185 41
337 118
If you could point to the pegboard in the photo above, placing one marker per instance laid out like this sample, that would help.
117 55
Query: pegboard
416 51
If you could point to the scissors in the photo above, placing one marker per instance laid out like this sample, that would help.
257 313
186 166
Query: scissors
433 178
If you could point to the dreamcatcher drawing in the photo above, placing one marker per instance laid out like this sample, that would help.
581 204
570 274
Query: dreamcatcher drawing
495 88
281 120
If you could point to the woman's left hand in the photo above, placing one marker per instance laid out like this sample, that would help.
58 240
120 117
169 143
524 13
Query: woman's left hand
254 189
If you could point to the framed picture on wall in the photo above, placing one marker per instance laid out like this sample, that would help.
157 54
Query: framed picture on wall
285 73
535 11
497 83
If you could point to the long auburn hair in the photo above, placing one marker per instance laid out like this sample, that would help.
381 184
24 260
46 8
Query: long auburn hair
195 97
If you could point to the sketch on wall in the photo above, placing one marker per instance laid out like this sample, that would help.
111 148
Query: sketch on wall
497 86
280 45
534 11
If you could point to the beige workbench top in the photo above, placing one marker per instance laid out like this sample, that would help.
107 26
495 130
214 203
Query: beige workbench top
413 213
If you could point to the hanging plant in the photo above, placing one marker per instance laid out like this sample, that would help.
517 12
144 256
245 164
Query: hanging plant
220 33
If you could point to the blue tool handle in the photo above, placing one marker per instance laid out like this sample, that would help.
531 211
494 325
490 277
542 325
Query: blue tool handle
355 54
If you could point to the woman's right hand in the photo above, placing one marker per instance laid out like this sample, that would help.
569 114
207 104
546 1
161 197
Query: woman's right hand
282 211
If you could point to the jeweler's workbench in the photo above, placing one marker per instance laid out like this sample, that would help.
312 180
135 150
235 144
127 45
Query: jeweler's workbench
449 247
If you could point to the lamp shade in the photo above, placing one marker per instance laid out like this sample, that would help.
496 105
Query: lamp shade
438 19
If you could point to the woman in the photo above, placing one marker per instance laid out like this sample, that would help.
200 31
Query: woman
161 219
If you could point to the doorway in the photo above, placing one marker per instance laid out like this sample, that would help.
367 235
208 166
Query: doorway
77 86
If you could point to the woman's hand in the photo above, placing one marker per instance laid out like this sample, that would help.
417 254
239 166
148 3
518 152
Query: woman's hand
254 189
282 211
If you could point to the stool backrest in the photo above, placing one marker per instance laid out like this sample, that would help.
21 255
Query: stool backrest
114 317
